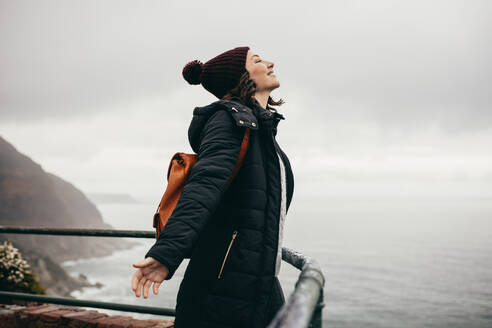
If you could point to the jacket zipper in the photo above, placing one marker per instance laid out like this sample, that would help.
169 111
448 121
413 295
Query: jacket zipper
234 234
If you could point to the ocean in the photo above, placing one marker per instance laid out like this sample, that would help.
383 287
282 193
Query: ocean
387 263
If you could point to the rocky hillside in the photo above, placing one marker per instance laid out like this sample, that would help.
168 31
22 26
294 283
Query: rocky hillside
30 196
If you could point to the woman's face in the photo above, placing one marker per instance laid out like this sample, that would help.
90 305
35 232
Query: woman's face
261 71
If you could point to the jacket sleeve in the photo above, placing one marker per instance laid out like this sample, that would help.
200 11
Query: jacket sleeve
207 181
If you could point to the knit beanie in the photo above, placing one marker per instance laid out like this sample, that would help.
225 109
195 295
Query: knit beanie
220 74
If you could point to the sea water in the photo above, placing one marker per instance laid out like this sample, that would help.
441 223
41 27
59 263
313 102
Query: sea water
387 263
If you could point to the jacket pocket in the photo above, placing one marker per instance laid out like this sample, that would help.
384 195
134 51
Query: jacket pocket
234 234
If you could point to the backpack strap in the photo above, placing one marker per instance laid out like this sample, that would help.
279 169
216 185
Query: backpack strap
178 156
242 153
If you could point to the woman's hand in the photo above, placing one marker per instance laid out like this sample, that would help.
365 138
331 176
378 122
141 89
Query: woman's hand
149 271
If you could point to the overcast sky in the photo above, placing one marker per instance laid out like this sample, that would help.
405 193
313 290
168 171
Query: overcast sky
382 98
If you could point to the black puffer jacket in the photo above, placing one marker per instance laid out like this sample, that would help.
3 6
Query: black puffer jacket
208 217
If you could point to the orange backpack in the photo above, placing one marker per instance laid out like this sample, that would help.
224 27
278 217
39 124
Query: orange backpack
177 173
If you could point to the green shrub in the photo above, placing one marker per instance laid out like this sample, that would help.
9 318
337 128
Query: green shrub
15 272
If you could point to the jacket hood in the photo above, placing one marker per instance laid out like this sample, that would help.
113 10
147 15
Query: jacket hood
243 115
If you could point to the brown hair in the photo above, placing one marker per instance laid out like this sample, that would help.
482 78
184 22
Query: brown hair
246 89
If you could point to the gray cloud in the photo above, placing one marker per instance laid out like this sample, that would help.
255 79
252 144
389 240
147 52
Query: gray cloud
397 63
382 97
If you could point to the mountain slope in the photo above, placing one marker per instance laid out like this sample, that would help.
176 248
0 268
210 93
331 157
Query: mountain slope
30 196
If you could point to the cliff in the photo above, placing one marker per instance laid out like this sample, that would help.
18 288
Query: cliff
30 196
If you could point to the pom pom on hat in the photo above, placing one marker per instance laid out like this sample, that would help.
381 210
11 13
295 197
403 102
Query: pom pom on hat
192 72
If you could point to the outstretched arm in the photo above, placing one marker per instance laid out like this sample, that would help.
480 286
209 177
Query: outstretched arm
201 195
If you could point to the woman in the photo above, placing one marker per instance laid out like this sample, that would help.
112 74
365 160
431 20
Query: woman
233 233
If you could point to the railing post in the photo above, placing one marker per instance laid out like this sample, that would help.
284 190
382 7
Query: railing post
317 318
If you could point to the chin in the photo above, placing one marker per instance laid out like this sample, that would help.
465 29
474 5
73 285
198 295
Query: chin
277 82
276 85
271 85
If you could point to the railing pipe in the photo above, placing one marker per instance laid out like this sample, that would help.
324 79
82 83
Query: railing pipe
88 303
304 306
302 309
79 232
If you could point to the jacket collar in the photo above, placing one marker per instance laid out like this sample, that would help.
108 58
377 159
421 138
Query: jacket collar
252 116
242 114
269 118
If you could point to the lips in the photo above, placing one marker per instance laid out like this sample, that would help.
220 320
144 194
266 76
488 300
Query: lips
270 73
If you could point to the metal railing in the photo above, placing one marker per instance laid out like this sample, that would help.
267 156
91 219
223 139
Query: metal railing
302 309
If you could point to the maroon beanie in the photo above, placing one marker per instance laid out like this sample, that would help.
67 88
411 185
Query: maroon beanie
220 74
